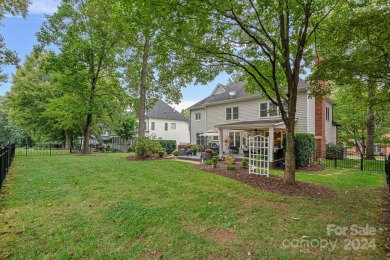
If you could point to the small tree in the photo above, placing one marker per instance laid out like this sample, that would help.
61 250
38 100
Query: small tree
128 128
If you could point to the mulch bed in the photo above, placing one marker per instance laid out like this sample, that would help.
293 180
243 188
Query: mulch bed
272 183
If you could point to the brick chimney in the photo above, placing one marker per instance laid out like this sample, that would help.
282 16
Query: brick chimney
320 124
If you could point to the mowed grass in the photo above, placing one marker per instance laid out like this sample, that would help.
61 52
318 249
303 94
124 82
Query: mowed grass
105 207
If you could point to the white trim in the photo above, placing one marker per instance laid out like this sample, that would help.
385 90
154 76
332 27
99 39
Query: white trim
238 114
268 108
200 116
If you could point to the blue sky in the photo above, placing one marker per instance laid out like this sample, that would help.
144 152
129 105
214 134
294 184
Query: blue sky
19 35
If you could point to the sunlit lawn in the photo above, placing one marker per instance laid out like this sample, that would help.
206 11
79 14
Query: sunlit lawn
103 206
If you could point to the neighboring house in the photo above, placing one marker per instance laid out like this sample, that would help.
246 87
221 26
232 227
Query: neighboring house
237 115
164 123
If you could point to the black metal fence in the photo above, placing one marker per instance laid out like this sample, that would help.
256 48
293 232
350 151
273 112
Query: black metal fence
60 149
351 160
7 154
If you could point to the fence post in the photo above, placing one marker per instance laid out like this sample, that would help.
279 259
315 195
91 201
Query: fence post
387 170
335 160
50 149
361 161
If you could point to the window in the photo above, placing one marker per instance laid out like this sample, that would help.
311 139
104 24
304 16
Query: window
232 113
377 149
215 138
327 113
200 140
153 126
173 126
166 127
263 109
197 116
268 109
273 109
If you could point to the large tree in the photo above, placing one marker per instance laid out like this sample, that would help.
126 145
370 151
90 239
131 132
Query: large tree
351 112
82 31
156 67
32 88
270 42
356 44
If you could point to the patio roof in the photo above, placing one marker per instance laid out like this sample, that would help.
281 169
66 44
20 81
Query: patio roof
263 123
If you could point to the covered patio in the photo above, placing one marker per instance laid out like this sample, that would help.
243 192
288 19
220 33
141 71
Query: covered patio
234 137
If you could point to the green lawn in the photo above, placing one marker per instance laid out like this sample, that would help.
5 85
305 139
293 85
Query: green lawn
103 206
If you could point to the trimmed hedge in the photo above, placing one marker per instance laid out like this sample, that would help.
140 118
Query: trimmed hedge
168 145
334 151
305 148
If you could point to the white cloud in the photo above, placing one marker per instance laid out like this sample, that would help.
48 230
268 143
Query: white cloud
43 6
184 105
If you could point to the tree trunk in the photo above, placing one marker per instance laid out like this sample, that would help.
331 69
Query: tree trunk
68 139
370 123
86 132
142 90
289 173
88 125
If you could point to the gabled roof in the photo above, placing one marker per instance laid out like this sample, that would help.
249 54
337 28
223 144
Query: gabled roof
162 110
235 91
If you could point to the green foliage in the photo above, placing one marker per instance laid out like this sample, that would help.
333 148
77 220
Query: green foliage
305 148
215 161
168 145
161 153
145 146
8 57
231 167
175 152
127 129
245 163
334 150
208 162
194 148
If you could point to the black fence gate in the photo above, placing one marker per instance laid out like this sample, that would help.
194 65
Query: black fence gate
7 154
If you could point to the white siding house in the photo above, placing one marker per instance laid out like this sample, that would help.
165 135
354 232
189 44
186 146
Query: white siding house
236 115
165 123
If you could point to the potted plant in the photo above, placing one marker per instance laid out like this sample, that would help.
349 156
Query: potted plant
194 149
208 154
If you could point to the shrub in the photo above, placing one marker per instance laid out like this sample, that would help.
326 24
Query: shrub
145 146
161 153
208 162
305 147
194 148
215 161
168 145
334 150
231 167
175 152
245 163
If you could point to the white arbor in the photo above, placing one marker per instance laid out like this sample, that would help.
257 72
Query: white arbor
258 155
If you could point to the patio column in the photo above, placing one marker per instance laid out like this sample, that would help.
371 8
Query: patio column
220 142
271 144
